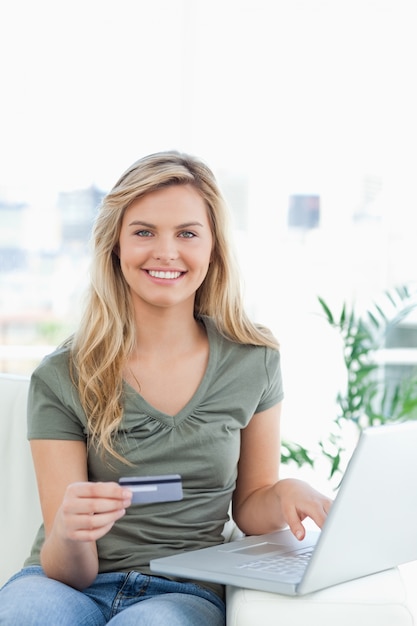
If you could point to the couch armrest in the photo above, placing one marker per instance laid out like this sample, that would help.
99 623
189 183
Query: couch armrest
21 514
377 600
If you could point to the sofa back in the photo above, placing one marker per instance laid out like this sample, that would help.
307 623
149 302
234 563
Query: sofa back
20 514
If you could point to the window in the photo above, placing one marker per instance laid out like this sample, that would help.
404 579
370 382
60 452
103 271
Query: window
305 109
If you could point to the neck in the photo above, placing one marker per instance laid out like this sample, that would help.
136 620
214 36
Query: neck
165 330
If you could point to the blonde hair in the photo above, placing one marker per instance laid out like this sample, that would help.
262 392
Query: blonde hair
106 334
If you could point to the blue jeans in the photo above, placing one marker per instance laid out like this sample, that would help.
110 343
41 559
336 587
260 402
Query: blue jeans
31 599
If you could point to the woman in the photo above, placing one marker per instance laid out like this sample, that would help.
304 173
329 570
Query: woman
166 374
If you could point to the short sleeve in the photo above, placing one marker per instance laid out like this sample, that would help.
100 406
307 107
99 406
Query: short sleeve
53 410
274 391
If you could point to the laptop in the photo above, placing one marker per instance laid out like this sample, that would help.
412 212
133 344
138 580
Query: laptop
371 527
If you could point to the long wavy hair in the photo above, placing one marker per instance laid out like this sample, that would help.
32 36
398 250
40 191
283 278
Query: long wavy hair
105 337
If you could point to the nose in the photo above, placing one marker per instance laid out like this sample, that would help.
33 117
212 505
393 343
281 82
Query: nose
165 249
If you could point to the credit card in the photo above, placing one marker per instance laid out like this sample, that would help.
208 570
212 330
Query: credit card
146 489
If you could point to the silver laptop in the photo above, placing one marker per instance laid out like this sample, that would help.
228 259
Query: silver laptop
372 526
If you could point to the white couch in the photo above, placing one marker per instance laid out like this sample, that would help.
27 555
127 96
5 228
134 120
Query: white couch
385 599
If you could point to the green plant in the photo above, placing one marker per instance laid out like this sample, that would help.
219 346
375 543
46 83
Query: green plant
294 452
367 400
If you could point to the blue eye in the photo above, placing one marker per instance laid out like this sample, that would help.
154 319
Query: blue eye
143 233
187 234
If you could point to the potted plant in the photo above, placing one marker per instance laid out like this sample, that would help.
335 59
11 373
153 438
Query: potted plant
366 401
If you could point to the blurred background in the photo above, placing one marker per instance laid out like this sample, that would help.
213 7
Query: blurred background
304 109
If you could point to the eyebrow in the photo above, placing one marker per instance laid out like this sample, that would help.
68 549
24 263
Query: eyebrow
149 225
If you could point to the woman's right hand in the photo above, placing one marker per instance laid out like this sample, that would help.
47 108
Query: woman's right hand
89 510
75 512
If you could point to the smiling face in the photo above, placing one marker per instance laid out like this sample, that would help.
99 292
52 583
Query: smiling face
165 246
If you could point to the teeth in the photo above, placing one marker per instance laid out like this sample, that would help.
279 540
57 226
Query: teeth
160 274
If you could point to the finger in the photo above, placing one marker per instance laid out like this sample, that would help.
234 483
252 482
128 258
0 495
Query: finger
93 507
96 498
109 490
320 512
295 525
92 527
328 505
298 531
317 514
99 520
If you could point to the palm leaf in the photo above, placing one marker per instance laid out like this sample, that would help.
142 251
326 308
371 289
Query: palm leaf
327 311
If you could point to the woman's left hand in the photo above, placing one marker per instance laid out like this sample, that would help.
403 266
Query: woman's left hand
298 500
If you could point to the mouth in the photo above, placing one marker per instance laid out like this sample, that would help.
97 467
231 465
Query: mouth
166 275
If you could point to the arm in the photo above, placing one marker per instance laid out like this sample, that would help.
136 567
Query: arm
262 503
76 512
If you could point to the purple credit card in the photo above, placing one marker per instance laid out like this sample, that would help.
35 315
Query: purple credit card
148 489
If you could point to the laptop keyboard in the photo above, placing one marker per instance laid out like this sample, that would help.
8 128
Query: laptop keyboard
284 565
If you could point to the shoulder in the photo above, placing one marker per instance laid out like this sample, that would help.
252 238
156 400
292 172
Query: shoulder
54 410
53 373
216 334
226 349
54 364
